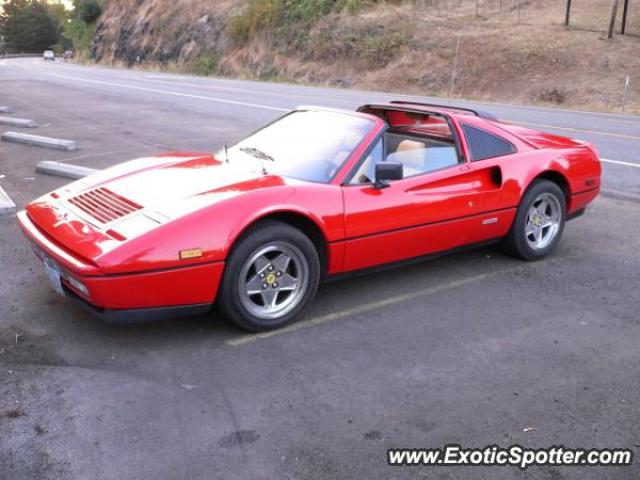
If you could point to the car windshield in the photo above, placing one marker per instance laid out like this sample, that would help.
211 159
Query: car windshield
307 145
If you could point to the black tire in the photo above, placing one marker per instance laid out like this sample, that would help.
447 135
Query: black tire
262 235
516 243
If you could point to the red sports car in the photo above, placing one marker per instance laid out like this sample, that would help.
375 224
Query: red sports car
319 192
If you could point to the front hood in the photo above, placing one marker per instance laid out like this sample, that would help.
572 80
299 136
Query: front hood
99 213
164 183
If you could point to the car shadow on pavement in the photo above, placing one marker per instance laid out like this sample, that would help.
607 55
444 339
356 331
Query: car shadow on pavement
65 323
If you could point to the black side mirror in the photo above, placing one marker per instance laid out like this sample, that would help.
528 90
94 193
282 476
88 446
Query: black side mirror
387 171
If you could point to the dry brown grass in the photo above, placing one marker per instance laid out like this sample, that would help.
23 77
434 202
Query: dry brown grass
518 55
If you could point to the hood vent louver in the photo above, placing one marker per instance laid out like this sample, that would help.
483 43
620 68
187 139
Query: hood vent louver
104 205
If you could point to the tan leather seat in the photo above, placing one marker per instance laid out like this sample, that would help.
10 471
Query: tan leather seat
413 156
410 145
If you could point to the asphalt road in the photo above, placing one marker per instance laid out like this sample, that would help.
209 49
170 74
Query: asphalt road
475 348
243 106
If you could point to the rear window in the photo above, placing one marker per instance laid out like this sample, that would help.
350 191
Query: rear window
435 125
483 145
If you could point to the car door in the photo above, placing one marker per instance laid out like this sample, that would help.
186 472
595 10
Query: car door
421 214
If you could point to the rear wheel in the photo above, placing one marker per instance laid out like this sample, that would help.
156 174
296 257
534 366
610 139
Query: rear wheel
539 222
271 275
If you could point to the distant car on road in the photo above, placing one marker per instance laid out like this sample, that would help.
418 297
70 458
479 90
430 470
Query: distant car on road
49 55
68 54
316 194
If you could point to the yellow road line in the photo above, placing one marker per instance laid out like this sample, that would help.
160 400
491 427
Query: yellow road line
369 307
571 129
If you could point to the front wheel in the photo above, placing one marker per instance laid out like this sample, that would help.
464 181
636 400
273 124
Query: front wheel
539 222
271 275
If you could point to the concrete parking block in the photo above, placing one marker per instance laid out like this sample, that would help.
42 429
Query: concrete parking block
7 207
18 122
5 109
64 170
39 141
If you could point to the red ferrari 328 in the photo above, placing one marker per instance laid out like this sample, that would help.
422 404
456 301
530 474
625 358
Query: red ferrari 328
319 192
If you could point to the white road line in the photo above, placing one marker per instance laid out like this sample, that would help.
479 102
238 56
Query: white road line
177 94
572 129
467 101
161 77
369 307
618 162
630 118
267 107
255 91
439 100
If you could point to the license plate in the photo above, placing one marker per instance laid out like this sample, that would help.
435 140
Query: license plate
54 276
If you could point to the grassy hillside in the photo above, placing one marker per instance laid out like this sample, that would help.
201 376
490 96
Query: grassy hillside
511 51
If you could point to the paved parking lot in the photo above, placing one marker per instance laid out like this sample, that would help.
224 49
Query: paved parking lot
476 348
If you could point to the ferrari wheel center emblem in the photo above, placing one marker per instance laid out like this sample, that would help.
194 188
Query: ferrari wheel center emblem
271 278
537 220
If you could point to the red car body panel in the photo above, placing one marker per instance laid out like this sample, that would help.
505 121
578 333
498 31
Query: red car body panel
185 201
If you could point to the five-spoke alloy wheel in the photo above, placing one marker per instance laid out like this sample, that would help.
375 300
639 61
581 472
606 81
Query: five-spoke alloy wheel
543 221
539 222
273 280
270 276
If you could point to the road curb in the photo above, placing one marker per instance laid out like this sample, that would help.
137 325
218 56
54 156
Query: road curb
7 207
64 170
5 109
39 141
616 195
18 122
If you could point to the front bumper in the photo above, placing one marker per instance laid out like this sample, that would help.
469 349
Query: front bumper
134 297
138 315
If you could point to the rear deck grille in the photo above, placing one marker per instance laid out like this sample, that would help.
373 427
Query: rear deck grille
104 205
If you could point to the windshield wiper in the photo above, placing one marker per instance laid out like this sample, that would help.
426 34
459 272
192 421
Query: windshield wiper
254 152
260 155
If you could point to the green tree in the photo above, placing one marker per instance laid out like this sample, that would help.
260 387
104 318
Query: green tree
59 12
88 10
63 17
28 26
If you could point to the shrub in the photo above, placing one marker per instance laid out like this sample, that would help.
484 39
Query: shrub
380 49
553 95
374 44
80 34
286 19
206 65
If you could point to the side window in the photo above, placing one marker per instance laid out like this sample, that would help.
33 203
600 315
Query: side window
366 171
485 145
420 154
